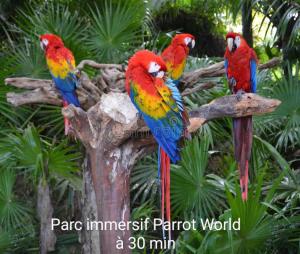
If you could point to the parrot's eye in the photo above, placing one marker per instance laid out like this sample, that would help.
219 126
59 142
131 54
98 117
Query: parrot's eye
237 41
44 43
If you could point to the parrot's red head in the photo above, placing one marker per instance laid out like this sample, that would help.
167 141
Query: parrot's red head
186 40
235 41
144 65
151 63
49 40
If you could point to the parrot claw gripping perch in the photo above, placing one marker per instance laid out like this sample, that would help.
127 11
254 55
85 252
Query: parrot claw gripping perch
232 84
240 66
239 95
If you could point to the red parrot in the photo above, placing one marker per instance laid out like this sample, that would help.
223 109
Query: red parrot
240 66
61 64
161 108
176 53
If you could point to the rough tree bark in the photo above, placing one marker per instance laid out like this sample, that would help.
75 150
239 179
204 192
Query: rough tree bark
107 126
45 212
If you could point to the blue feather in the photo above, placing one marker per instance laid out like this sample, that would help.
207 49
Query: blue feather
175 93
253 75
175 81
67 88
226 67
166 131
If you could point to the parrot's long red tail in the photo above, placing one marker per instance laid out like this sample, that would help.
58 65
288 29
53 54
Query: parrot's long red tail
242 130
66 120
164 167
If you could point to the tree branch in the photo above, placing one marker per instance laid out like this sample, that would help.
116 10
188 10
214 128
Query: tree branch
229 106
96 65
125 121
111 79
217 70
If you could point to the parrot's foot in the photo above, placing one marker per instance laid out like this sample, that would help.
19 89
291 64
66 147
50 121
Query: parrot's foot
232 84
239 95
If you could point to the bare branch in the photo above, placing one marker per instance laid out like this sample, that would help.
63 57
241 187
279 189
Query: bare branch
96 65
217 70
229 106
28 83
202 86
47 95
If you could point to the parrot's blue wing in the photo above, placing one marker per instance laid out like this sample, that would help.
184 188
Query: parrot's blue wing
175 93
67 87
253 78
226 67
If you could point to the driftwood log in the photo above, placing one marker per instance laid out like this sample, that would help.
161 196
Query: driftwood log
109 127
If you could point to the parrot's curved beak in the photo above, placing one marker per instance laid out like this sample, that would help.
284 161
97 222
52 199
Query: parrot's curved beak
158 74
43 46
231 45
191 44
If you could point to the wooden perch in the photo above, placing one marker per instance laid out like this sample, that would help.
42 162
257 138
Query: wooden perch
250 104
96 65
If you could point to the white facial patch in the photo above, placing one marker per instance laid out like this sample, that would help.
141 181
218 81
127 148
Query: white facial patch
187 40
153 67
230 43
160 74
237 41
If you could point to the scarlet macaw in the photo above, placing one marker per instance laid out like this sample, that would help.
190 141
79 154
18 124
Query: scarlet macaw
61 64
161 109
176 53
240 66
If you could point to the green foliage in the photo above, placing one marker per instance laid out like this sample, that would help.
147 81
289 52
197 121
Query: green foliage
283 124
116 30
13 213
52 18
194 193
4 241
285 16
256 225
288 193
144 181
27 151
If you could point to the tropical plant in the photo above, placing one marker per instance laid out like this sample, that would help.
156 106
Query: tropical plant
256 225
288 193
284 123
195 193
37 157
116 30
14 213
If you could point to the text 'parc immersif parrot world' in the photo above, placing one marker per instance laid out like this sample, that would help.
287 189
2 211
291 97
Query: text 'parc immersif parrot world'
163 126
